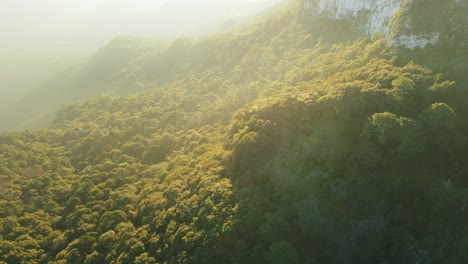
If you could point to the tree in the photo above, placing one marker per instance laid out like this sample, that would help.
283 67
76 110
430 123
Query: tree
440 122
282 252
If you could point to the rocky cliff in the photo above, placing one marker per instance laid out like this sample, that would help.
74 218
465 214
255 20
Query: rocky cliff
398 19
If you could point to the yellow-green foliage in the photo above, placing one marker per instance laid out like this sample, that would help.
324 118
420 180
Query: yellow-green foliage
264 145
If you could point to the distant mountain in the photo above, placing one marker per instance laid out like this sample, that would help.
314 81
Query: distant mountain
97 76
57 35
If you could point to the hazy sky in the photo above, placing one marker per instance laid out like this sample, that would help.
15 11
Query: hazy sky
90 18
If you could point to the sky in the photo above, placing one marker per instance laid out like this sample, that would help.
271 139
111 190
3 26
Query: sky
54 19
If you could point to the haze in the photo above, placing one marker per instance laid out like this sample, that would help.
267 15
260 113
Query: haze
41 38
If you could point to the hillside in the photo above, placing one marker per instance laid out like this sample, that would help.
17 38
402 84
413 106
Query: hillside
275 143
38 48
97 76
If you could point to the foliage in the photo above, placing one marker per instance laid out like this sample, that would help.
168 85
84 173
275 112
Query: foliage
264 145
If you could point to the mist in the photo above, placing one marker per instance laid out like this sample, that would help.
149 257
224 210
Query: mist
41 38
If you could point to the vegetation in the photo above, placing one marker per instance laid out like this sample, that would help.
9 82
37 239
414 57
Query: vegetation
97 76
445 19
264 145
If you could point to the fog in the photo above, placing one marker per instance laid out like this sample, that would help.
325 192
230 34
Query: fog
23 19
39 38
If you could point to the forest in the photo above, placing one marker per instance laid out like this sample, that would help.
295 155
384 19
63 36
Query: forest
277 142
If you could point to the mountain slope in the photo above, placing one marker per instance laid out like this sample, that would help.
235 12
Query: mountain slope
97 76
265 145
124 66
78 29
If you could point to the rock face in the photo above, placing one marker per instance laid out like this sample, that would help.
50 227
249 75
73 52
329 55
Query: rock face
377 12
375 16
417 41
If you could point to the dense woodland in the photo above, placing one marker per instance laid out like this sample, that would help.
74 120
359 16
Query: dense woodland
273 143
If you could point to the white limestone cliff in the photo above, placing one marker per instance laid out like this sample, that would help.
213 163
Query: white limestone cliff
378 14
